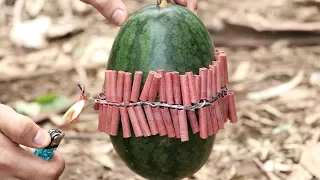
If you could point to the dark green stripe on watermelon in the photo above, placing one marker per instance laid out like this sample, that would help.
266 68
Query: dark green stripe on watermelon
173 39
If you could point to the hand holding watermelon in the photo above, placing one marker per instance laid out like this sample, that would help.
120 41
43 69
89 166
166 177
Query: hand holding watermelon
116 11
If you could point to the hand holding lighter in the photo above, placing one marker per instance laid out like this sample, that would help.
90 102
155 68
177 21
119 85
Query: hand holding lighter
56 134
47 152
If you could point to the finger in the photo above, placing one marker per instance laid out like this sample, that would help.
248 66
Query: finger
114 10
192 5
181 2
24 165
6 172
21 129
38 168
57 165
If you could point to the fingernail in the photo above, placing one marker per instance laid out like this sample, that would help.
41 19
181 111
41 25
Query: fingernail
118 16
40 138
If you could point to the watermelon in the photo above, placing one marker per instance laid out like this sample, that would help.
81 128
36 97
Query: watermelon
172 38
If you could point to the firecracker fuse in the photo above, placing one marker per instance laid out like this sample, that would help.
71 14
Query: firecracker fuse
47 152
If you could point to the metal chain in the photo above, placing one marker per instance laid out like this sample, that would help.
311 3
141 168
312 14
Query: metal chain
201 104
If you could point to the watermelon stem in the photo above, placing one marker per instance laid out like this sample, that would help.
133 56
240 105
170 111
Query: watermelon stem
162 3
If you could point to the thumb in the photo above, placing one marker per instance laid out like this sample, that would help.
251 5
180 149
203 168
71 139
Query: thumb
114 10
21 129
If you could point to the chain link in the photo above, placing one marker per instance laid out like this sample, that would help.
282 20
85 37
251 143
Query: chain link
202 103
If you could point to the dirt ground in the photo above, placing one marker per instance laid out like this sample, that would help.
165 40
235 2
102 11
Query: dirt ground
274 69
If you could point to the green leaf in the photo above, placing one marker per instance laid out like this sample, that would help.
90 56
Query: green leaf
28 109
43 104
47 98
281 128
57 103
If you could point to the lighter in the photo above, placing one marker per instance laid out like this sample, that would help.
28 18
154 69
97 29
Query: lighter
47 153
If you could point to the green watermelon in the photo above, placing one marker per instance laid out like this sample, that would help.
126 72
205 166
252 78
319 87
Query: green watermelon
174 39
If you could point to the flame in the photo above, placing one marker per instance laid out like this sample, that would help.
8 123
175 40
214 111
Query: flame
74 111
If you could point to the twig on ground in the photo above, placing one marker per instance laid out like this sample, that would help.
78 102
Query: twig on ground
278 90
270 175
